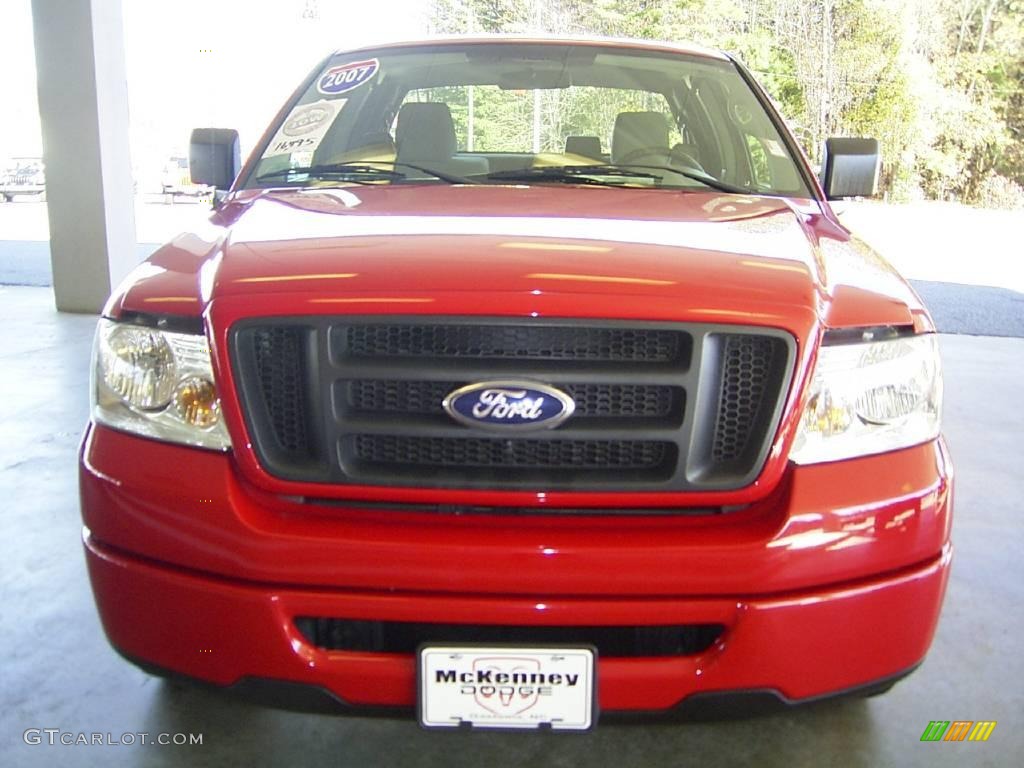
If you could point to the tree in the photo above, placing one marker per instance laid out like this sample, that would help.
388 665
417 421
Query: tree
940 83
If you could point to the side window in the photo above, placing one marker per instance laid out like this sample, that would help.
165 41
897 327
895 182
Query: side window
713 132
655 102
760 170
770 167
767 160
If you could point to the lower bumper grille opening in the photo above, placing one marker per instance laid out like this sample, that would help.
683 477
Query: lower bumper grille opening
405 637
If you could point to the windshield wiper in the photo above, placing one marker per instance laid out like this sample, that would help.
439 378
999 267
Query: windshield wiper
362 172
581 174
693 175
570 174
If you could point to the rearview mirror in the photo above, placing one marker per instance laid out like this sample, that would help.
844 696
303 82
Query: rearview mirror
214 157
851 168
535 79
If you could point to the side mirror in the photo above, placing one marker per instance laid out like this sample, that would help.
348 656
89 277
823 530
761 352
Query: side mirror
850 168
214 157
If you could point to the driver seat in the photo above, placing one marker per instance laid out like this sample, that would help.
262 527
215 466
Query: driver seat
640 137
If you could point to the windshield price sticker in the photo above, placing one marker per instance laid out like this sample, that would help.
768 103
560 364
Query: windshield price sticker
513 688
304 128
347 76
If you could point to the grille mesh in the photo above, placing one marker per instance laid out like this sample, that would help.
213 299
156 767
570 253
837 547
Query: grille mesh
280 369
511 454
621 400
746 373
592 400
516 342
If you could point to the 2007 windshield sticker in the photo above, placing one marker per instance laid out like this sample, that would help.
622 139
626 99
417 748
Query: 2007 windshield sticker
347 76
304 128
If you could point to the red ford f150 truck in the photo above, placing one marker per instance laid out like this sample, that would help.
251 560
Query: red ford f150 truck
513 381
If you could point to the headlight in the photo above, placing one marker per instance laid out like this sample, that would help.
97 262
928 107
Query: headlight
156 383
871 398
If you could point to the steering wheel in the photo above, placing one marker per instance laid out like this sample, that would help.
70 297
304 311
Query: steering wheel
646 156
677 154
662 156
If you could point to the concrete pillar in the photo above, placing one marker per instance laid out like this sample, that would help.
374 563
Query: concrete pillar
83 106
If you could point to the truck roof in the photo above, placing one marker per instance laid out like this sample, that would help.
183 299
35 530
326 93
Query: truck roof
691 49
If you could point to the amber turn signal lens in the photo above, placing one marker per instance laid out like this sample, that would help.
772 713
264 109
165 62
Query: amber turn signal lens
197 403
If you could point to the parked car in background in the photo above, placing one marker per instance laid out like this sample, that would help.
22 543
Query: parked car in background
176 181
23 176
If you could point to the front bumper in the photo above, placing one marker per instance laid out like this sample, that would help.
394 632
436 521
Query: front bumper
800 646
833 582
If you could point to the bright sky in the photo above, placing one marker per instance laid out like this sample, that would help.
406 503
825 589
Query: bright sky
221 63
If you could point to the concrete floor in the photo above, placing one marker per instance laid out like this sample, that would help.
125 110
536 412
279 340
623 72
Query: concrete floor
58 671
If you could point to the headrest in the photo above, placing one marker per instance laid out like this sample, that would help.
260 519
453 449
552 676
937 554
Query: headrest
425 131
587 146
638 130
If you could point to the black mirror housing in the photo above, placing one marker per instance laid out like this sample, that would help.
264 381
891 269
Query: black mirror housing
214 157
851 168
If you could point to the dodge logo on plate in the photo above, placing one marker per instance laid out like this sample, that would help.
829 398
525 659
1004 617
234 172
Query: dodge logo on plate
509 405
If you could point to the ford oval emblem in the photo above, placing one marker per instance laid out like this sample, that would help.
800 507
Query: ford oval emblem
509 405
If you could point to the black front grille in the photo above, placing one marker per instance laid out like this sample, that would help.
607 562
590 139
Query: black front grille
515 342
658 406
405 637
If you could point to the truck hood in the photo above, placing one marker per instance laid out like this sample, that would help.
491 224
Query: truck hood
641 253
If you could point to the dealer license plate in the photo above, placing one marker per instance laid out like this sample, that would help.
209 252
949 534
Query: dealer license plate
507 687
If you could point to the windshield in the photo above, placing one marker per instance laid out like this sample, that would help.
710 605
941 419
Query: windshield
537 113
